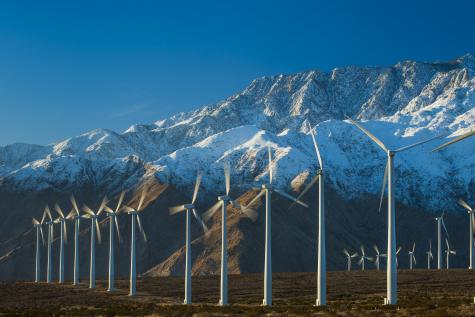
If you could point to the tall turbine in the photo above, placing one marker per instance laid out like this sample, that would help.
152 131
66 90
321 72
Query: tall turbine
112 215
348 257
190 209
39 233
93 216
223 201
412 258
267 189
61 220
321 238
75 215
448 252
471 221
378 257
49 264
391 297
429 255
363 257
135 217
440 224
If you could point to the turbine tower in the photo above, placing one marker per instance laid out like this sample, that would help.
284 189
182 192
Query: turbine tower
223 201
49 264
39 232
76 217
412 258
391 297
471 221
267 189
348 258
190 209
135 217
429 255
440 223
94 225
112 215
378 257
448 252
363 257
61 220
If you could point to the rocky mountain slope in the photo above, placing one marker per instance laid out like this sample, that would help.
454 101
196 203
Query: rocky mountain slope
401 104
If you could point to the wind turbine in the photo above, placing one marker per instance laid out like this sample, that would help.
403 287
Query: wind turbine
135 217
190 209
39 232
448 252
61 220
49 264
472 225
348 258
94 225
223 201
321 248
412 258
267 189
440 223
391 298
429 255
397 252
112 215
76 217
378 256
363 257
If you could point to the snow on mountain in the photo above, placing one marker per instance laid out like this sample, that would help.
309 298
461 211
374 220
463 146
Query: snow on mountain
405 103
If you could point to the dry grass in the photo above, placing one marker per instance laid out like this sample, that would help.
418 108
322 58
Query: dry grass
421 293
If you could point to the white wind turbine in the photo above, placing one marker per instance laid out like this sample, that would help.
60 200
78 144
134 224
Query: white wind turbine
412 258
93 216
472 225
440 223
363 257
348 257
39 233
190 209
397 252
448 252
75 215
391 298
223 201
112 215
135 217
267 189
429 255
49 264
61 220
378 257
321 244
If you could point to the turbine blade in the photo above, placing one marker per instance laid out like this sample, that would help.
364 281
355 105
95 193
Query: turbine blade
58 210
108 209
98 231
197 186
48 213
269 152
127 208
103 205
141 228
200 221
307 188
375 247
369 134
255 199
445 228
35 222
176 209
249 212
346 253
459 138
43 217
71 214
284 194
407 147
354 255
119 203
88 210
42 236
398 250
464 204
227 177
142 198
383 188
75 205
65 232
447 243
413 247
210 212
117 228
320 162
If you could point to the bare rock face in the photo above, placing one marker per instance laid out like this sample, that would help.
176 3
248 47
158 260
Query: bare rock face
402 104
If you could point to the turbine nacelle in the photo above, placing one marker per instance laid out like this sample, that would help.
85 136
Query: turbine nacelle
188 206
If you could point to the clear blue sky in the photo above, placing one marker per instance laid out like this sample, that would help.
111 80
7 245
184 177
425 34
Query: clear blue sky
67 67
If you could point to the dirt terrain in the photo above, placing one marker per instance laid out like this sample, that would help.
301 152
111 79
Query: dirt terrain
356 293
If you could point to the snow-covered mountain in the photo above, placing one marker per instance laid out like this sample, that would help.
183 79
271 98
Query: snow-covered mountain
400 104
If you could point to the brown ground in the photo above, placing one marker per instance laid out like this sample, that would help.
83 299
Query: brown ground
421 293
